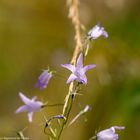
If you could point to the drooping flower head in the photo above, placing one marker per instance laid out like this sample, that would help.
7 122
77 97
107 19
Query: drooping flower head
78 71
96 32
31 105
44 79
109 134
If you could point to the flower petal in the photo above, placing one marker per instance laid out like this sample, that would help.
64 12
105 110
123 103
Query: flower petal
69 67
105 34
39 104
24 98
34 106
80 61
44 79
109 134
71 78
119 127
30 115
88 67
106 134
96 32
30 106
83 79
43 74
22 109
34 98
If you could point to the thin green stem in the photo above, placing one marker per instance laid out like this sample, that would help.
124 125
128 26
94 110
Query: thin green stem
66 110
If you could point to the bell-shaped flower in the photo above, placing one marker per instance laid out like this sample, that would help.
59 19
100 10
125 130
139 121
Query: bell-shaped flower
44 79
78 71
30 105
109 134
96 32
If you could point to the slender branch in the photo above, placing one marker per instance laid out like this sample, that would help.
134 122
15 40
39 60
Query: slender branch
74 15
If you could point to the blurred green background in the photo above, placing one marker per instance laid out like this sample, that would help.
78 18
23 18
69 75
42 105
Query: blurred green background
35 34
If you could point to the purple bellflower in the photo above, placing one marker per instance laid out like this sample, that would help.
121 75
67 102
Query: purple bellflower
109 134
78 71
31 105
96 32
44 79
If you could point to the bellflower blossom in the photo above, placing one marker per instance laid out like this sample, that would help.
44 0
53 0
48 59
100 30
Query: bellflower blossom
44 79
78 71
109 134
31 105
96 32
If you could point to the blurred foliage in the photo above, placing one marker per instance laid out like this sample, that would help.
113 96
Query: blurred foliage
35 34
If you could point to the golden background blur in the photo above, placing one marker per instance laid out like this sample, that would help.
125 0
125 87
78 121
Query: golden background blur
35 34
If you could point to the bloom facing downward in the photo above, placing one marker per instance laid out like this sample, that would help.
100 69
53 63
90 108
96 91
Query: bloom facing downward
96 32
109 134
44 79
31 105
78 71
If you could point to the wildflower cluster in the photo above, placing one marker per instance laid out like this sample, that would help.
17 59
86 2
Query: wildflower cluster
77 76
31 105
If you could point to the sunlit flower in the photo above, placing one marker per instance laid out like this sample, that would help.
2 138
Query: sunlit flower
96 32
78 71
44 79
31 105
109 134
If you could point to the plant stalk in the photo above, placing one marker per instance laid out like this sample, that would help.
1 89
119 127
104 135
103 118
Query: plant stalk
74 15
